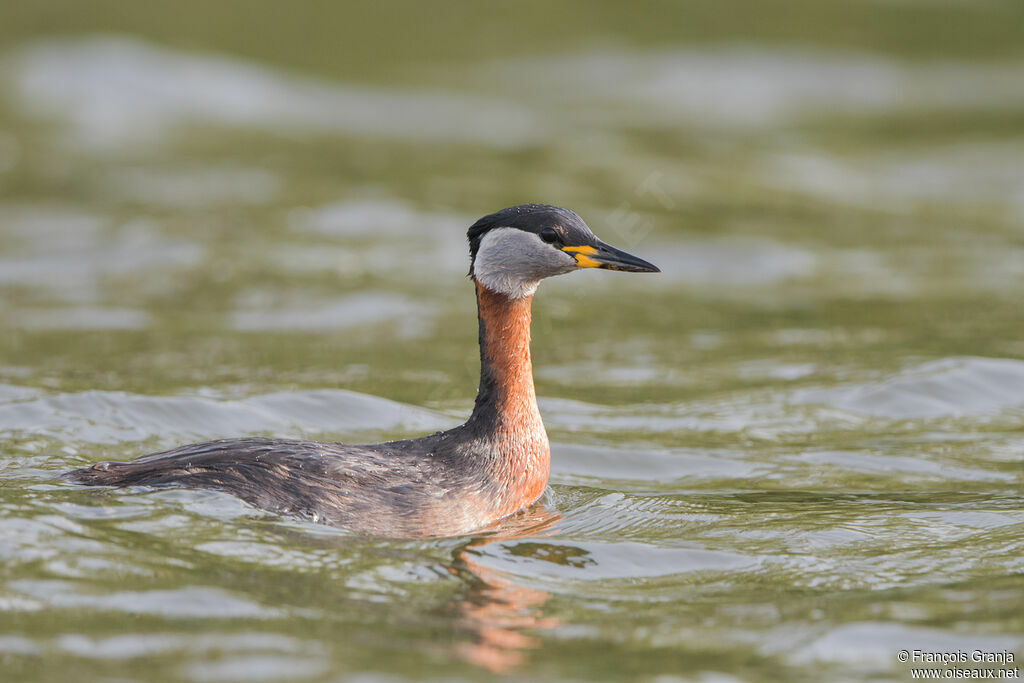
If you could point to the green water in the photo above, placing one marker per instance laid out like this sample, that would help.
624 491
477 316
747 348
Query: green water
791 455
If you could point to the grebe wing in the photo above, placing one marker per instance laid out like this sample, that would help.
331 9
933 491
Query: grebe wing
326 482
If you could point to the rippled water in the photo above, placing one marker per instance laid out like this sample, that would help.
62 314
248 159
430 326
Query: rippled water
792 454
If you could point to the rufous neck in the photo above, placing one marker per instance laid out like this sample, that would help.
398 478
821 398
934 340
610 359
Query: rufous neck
506 399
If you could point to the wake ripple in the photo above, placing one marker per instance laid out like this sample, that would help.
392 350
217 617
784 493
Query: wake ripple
111 417
948 387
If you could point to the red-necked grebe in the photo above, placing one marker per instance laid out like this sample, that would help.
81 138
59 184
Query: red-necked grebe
446 484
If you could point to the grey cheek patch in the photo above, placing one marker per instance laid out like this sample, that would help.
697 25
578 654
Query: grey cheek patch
513 262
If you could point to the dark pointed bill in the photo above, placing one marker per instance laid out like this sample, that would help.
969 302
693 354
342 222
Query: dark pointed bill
602 255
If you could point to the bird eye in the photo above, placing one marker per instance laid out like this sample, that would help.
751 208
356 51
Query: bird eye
549 235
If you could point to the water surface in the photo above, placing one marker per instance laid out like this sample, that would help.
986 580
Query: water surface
790 455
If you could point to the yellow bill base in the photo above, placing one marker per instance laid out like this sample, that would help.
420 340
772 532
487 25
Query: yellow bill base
581 254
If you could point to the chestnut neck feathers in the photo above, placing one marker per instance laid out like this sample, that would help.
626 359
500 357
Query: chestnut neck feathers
506 413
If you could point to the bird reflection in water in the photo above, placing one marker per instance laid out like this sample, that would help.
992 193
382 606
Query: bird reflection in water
492 618
494 615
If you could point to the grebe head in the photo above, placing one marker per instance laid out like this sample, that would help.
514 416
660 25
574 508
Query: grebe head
514 249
